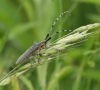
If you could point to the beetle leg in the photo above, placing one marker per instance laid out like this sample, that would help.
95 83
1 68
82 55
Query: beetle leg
31 62
30 58
39 54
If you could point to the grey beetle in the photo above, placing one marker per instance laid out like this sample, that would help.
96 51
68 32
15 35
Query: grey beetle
35 48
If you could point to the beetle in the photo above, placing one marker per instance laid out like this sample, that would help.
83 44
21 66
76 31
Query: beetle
35 48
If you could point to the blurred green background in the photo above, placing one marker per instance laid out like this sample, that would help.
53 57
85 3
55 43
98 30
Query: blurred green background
24 22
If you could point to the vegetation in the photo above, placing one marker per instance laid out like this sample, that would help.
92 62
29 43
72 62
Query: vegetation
24 22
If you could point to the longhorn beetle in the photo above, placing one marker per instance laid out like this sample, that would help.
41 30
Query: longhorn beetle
35 48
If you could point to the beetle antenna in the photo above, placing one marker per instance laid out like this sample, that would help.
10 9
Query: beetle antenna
57 33
55 23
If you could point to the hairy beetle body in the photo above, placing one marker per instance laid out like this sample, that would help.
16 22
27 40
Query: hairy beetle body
35 49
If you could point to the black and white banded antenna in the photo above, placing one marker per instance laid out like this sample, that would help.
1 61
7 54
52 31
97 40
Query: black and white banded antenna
57 33
47 36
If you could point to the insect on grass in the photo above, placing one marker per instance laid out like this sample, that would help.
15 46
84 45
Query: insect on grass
35 48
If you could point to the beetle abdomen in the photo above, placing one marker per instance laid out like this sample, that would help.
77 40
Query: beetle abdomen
29 52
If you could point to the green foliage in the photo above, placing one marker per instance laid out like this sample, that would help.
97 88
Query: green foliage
24 22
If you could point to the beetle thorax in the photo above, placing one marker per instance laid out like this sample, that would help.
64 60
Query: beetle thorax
42 43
